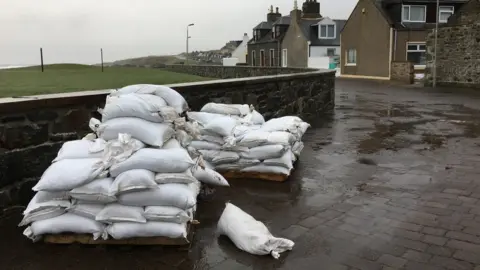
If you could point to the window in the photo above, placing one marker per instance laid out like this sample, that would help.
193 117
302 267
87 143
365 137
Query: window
416 53
330 51
351 57
284 58
327 31
254 62
262 58
414 13
272 57
445 13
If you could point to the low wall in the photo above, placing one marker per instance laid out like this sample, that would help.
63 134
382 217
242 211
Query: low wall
403 72
229 72
34 128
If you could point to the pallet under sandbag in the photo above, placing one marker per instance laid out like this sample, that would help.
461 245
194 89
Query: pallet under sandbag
87 239
276 177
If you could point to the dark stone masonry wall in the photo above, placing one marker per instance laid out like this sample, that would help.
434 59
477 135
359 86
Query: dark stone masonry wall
229 72
32 130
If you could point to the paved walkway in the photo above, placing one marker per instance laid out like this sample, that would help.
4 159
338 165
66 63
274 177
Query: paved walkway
390 181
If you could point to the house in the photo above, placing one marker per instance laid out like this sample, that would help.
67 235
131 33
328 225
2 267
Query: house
239 54
264 48
302 39
379 32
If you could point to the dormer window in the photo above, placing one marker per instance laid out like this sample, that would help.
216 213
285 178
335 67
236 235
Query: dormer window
327 31
411 13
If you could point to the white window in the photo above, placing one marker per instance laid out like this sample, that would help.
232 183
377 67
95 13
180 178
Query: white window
351 57
284 58
445 13
416 53
327 31
414 13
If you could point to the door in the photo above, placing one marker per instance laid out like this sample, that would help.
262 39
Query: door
262 58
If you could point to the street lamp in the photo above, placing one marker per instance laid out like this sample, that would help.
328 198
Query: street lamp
188 37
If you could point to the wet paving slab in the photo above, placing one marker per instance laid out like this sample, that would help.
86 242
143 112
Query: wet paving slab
390 180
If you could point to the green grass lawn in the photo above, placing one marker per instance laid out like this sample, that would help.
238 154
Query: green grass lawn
61 78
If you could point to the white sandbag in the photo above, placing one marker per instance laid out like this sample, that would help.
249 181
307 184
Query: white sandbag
97 191
227 109
167 214
209 176
238 165
133 180
155 160
258 137
183 137
172 144
202 145
212 139
297 148
118 150
202 118
42 214
286 161
222 126
176 195
150 229
203 162
179 178
249 234
120 213
148 107
67 174
291 124
155 134
66 223
264 152
79 149
262 168
257 118
88 210
172 97
45 205
219 157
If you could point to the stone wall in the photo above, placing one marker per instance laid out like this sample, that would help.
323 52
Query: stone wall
403 72
458 51
33 129
228 72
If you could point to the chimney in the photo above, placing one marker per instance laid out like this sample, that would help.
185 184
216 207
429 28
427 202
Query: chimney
311 9
296 14
273 16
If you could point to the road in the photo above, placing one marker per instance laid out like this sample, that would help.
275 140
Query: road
389 181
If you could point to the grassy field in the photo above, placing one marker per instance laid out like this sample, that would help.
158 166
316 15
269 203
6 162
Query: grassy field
61 78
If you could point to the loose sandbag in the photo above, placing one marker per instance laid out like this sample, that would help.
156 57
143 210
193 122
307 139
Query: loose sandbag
172 97
166 214
264 152
121 213
79 149
176 195
285 161
67 174
150 229
148 107
154 134
97 191
88 210
209 176
249 234
155 160
133 180
227 109
222 126
262 168
66 223
179 178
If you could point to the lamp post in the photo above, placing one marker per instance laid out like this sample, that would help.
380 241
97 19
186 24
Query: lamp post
188 37
436 41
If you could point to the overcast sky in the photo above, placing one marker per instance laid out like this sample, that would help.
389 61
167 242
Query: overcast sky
73 31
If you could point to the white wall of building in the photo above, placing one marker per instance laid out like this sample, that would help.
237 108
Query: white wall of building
321 51
241 51
230 61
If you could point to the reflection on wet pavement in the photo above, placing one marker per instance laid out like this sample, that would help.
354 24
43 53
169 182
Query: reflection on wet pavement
390 179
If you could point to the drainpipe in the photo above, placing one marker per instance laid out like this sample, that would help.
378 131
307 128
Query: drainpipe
436 40
395 45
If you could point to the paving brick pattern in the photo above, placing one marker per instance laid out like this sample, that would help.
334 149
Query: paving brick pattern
390 181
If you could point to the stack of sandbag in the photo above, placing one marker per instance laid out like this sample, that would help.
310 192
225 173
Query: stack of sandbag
134 180
234 137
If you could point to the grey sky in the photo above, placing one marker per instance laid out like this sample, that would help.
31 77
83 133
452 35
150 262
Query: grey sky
75 30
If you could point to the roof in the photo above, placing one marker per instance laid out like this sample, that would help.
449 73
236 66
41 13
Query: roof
285 20
263 26
311 33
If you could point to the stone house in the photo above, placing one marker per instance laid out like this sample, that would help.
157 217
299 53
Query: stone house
379 33
458 49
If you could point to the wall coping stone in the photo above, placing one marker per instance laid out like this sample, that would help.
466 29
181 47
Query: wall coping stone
25 103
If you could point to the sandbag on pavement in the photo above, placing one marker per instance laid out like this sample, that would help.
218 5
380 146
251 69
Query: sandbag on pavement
249 234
